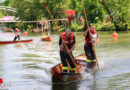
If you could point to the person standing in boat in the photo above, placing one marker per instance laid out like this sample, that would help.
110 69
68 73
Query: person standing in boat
67 38
17 34
88 46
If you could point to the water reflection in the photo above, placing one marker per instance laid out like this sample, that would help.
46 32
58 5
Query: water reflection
18 45
87 84
69 86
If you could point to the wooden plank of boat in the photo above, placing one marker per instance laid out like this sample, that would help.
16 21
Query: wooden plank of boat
59 77
14 42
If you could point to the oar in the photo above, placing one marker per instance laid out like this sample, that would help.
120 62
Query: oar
89 33
59 34
42 28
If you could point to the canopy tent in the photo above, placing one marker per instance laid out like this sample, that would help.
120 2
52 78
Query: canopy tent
70 12
7 18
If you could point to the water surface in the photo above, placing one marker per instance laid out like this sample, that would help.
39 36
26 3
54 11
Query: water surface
27 66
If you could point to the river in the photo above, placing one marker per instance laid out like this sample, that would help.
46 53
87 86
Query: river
28 66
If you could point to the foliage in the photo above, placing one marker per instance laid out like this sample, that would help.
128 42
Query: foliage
32 10
75 26
108 27
1 14
118 12
29 27
93 9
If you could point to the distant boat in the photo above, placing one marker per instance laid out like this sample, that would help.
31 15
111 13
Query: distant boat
14 42
46 38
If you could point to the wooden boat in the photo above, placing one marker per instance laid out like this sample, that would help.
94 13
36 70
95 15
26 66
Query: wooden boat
46 38
14 42
58 76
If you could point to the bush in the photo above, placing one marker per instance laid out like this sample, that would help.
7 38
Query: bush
76 27
104 27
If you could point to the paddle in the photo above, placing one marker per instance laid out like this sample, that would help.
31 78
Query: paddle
59 34
88 30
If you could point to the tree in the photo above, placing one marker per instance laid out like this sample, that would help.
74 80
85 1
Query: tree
55 6
118 12
94 10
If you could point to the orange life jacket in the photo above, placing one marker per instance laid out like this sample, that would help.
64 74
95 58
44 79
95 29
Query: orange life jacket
69 42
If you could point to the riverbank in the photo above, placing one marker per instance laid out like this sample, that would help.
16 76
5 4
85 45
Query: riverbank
75 26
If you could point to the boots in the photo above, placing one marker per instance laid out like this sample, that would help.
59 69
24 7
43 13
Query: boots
72 70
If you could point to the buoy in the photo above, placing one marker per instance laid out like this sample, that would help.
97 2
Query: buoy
114 35
25 33
1 81
81 19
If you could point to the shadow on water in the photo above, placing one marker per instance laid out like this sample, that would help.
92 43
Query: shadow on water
87 84
69 86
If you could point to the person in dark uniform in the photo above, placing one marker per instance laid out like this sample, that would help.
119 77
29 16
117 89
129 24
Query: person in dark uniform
67 38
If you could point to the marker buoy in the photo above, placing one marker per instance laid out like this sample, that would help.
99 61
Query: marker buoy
81 19
1 81
114 35
25 33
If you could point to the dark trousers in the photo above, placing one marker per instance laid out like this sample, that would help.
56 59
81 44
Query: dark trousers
90 55
16 38
65 57
89 52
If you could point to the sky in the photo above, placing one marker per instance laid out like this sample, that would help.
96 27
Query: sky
1 0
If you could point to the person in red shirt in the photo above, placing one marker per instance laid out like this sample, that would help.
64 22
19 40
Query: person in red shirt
67 38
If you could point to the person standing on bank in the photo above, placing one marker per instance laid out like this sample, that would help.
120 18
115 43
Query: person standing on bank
17 34
67 38
88 46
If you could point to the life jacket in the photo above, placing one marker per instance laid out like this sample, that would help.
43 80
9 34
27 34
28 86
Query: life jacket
69 42
88 39
17 31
